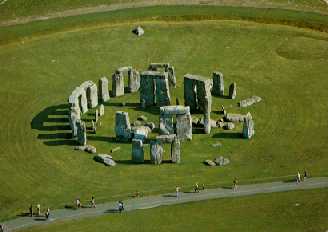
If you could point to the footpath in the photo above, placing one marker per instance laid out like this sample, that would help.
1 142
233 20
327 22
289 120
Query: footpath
166 199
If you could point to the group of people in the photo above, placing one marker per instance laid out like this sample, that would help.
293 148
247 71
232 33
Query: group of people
78 203
300 178
38 211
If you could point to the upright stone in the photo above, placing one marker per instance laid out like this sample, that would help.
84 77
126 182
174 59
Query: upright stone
184 126
137 151
166 125
96 115
122 126
171 75
117 84
162 91
103 89
248 128
101 110
207 124
190 94
92 95
175 151
73 118
82 101
233 90
218 84
133 80
204 96
156 152
147 89
81 133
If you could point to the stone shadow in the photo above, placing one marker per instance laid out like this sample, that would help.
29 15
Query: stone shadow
227 135
53 122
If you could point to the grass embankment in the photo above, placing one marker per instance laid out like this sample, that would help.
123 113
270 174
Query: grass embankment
38 163
293 211
14 9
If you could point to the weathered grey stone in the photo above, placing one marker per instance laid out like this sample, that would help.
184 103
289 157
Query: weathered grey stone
218 144
163 97
73 117
250 101
90 149
184 127
137 123
115 149
218 84
93 127
229 126
148 88
167 68
236 117
137 151
221 161
190 92
174 110
96 115
210 163
166 125
207 124
133 80
104 89
91 93
105 159
166 138
117 84
101 110
122 126
78 98
248 128
175 151
204 96
156 152
233 90
81 133
141 132
139 31
213 123
151 125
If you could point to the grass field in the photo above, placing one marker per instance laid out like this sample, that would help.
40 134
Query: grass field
293 211
11 9
286 66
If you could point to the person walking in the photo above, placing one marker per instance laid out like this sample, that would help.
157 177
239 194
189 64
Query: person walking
78 203
177 191
47 214
298 178
235 184
120 206
31 210
38 209
196 188
305 175
93 202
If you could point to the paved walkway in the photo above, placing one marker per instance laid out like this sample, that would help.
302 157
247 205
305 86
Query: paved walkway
167 199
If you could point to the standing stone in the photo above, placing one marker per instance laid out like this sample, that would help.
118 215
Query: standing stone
103 89
190 92
82 101
248 128
81 133
122 126
233 90
137 151
91 93
218 84
156 152
133 80
204 96
101 110
184 126
207 124
175 151
166 125
96 115
72 121
147 89
117 84
162 91
171 75
94 127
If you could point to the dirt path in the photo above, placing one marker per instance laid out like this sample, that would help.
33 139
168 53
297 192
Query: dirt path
118 6
167 199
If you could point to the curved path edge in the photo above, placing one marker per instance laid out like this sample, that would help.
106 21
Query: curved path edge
167 199
121 6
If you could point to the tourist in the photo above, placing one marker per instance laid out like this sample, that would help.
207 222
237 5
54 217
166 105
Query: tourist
196 188
93 202
47 214
235 184
298 178
78 203
203 187
31 210
2 228
38 209
177 191
305 174
120 206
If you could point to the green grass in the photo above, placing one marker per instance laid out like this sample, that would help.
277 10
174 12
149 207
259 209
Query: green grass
286 66
19 8
292 211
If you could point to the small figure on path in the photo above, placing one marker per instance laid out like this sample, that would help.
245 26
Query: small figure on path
38 209
235 184
196 188
93 202
120 206
31 210
298 178
2 228
78 203
203 187
177 191
137 194
305 175
47 214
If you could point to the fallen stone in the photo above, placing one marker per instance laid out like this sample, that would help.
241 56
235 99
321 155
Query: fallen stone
90 149
218 144
229 126
221 161
210 163
142 118
115 149
151 125
233 90
250 101
235 117
105 159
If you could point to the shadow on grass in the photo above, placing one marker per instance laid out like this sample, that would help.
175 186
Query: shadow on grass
170 195
112 211
40 219
23 215
293 180
227 135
